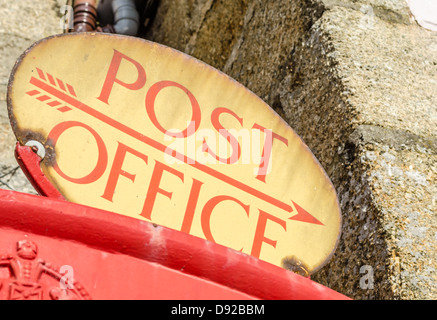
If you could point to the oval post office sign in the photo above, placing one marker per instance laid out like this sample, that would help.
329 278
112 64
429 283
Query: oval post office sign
140 129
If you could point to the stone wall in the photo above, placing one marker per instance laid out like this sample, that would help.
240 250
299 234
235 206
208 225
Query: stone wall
22 23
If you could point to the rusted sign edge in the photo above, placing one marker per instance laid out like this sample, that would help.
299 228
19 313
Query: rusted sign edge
23 135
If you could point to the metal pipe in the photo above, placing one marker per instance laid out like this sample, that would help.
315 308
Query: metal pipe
126 17
85 15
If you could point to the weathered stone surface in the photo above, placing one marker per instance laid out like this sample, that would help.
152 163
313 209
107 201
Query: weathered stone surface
21 24
356 80
388 103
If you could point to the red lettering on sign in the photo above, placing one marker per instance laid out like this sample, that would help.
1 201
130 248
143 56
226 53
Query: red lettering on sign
102 160
260 230
154 187
72 101
191 206
117 171
207 211
111 76
236 148
267 150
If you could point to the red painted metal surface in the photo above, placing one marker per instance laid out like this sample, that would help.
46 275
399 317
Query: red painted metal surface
29 163
118 257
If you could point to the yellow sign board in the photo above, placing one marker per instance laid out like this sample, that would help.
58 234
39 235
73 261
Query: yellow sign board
142 130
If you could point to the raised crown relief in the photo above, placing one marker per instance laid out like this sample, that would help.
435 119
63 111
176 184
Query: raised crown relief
35 279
